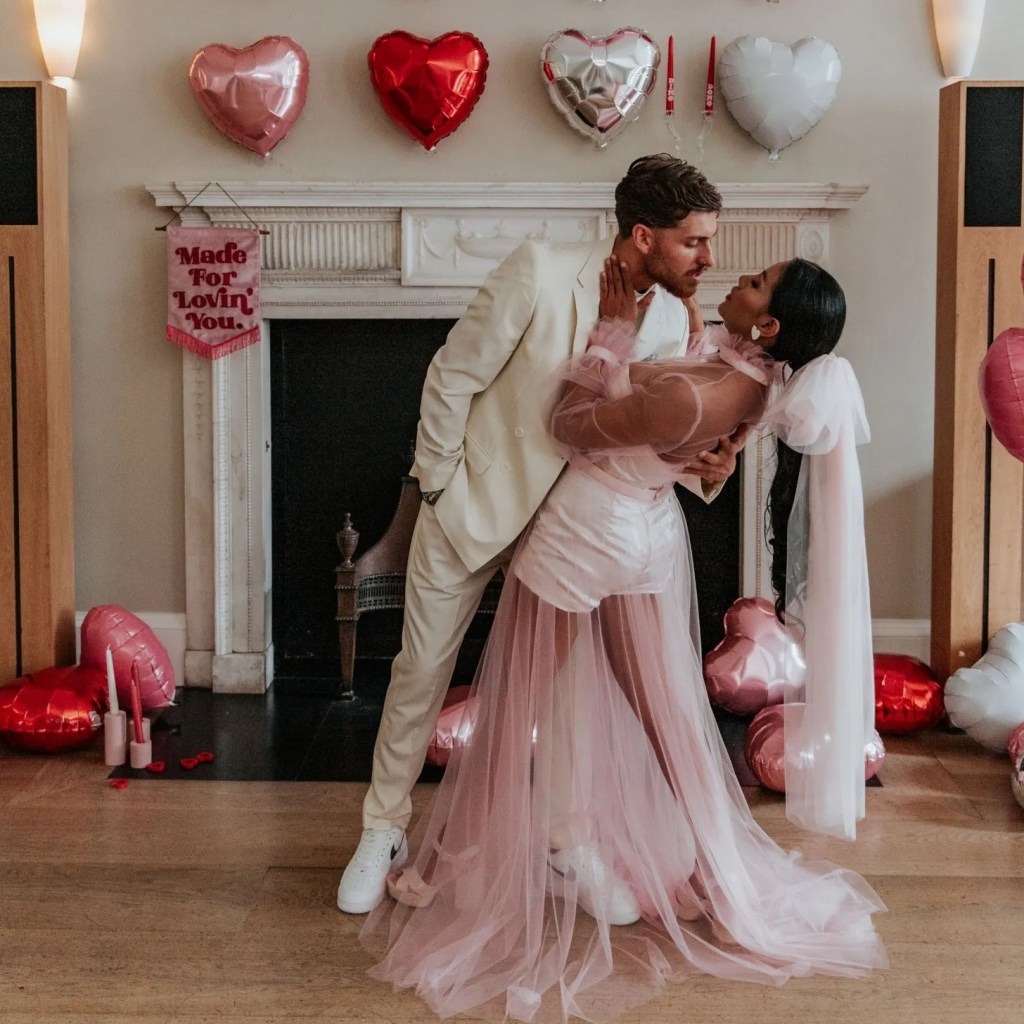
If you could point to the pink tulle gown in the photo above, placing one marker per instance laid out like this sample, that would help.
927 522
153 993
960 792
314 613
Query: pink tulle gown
592 727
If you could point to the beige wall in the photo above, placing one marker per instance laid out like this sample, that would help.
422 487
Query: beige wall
133 121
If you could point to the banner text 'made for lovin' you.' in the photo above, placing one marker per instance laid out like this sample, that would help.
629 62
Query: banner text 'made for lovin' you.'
213 289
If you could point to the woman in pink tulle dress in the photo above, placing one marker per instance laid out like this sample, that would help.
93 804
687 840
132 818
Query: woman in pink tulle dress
591 842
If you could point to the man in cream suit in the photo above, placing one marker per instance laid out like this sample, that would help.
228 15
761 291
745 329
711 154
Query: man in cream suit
485 460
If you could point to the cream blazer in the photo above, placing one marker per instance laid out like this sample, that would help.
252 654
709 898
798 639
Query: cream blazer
483 434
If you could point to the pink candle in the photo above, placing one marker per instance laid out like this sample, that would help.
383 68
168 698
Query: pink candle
709 92
670 79
137 706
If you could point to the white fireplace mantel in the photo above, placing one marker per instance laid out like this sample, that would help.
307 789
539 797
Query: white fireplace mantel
393 249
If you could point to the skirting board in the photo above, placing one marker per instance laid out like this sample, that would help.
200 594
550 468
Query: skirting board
902 636
890 636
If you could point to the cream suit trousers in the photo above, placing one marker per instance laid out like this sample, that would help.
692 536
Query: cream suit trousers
441 596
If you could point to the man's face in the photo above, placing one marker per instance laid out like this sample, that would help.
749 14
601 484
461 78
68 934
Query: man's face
676 257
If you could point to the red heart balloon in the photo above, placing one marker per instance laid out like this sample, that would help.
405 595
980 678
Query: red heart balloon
253 95
908 696
130 640
429 87
54 709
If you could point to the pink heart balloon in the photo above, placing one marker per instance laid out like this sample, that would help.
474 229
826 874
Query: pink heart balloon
765 747
130 640
757 662
1001 382
253 95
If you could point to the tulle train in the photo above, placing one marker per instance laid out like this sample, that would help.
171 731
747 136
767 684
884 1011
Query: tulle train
594 730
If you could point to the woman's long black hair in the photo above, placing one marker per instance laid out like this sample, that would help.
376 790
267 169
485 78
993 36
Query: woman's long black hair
811 310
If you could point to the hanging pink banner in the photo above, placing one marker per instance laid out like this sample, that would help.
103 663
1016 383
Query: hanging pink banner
213 289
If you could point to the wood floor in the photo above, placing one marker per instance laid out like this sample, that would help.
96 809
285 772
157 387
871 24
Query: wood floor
191 902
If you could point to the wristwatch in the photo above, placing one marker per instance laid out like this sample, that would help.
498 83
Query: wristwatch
430 497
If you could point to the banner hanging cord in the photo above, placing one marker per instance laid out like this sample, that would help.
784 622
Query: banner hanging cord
177 213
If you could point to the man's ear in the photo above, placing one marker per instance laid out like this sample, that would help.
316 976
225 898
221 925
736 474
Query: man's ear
643 238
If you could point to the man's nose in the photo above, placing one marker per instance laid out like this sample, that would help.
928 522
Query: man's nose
709 256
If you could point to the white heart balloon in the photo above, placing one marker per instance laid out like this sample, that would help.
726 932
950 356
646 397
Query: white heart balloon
987 699
775 92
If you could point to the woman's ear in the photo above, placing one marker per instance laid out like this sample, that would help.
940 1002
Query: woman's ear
769 328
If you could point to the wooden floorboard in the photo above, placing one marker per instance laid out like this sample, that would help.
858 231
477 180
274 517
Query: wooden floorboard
197 902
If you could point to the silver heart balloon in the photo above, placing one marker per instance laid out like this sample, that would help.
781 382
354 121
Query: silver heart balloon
600 83
775 92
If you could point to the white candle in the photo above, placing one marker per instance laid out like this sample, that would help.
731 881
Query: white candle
111 684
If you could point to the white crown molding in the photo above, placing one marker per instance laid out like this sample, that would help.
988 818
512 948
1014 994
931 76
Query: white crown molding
511 195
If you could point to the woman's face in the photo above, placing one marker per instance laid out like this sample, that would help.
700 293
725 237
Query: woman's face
746 305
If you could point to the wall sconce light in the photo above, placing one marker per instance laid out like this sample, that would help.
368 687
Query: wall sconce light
59 24
957 31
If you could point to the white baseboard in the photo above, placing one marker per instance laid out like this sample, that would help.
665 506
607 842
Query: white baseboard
889 636
169 628
903 636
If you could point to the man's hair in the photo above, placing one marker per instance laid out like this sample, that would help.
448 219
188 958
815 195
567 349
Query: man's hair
660 191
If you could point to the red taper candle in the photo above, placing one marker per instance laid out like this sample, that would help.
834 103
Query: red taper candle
709 92
670 79
136 706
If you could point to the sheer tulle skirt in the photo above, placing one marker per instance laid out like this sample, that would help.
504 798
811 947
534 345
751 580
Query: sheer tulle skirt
594 728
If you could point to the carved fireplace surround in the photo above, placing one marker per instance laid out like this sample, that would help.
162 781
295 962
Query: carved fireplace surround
404 250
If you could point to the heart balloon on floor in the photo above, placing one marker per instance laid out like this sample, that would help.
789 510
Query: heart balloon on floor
1001 382
454 726
600 83
778 93
131 641
428 86
253 95
1015 744
54 709
1017 780
757 663
908 695
987 699
765 747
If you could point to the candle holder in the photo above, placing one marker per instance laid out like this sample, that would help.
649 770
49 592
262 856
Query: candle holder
140 754
115 738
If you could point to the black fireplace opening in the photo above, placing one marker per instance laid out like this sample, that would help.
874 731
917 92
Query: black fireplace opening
344 407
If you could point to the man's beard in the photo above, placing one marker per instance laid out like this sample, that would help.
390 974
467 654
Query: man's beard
681 286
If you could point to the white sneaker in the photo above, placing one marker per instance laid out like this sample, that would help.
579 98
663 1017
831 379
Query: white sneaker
599 890
362 886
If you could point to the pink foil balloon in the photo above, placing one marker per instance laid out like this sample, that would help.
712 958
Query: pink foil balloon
454 726
765 747
1017 781
53 709
130 640
1001 382
253 95
1015 744
757 662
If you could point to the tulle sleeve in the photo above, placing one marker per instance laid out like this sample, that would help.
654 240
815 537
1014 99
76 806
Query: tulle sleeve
821 414
674 409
